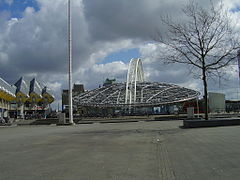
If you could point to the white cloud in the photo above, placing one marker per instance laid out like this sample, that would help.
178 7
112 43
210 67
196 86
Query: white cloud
9 2
230 4
93 76
37 43
156 70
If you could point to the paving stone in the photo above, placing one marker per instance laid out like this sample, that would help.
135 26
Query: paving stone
141 151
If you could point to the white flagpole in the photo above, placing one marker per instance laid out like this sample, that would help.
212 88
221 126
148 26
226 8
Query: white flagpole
238 58
70 63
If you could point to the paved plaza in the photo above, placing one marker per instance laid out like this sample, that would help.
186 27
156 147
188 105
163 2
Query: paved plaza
119 151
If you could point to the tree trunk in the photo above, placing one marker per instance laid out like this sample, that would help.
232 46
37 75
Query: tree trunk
205 93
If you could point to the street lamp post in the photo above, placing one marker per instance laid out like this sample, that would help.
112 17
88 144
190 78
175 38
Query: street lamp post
70 62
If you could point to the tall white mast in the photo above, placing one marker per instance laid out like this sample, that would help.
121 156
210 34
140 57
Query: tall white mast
70 63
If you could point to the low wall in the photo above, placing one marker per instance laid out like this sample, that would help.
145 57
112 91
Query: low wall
210 123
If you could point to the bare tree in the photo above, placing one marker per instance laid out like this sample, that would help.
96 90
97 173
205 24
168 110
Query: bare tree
205 40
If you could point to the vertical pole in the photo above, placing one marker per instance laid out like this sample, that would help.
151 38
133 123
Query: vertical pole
238 58
197 108
237 94
130 102
70 62
205 93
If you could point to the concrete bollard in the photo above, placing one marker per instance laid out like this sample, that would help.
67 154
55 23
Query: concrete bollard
190 112
62 118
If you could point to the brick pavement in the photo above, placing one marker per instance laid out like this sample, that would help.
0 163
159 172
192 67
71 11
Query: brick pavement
141 151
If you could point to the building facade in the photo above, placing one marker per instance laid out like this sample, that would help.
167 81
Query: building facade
7 95
77 89
22 98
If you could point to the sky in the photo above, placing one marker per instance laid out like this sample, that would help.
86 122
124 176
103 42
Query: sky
106 35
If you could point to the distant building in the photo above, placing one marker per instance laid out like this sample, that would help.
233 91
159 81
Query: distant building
7 95
109 82
64 98
232 106
216 102
32 100
77 89
24 99
35 92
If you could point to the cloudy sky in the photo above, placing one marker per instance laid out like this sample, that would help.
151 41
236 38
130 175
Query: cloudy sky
106 35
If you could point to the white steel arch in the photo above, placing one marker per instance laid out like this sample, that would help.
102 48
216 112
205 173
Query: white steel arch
135 74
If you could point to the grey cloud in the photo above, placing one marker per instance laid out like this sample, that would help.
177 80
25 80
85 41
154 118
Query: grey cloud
38 41
141 19
36 45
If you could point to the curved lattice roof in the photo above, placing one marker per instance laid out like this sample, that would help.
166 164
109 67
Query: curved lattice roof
147 94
